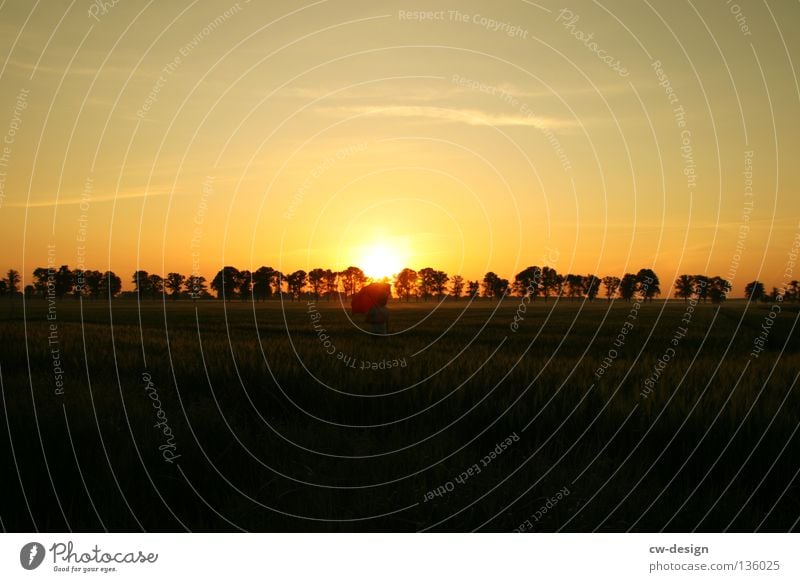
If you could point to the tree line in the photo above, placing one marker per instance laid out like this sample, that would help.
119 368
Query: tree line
428 283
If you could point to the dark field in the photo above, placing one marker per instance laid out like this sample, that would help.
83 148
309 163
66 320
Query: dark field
265 431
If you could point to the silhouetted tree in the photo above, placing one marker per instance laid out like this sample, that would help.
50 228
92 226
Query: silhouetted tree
30 291
627 286
517 285
156 285
591 286
277 282
63 281
611 284
40 281
405 283
110 285
440 279
457 286
719 289
195 286
331 283
574 284
490 281
3 287
432 282
141 283
262 283
12 285
174 283
245 285
92 282
77 284
353 279
560 285
501 287
684 287
528 282
226 282
316 280
551 281
793 291
648 284
426 282
754 290
701 287
473 288
296 281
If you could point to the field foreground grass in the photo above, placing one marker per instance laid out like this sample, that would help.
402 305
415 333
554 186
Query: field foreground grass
172 416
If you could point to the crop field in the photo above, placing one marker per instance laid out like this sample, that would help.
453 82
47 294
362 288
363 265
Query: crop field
490 416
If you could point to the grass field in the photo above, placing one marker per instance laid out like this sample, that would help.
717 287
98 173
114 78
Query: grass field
222 416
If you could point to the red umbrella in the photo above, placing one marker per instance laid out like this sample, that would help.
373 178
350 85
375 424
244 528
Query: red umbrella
370 296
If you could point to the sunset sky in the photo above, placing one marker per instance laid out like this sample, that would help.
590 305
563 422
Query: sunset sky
181 136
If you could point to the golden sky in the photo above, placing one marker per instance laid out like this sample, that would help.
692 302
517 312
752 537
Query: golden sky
468 136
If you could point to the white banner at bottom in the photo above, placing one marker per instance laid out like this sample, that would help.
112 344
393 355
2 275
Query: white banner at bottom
399 557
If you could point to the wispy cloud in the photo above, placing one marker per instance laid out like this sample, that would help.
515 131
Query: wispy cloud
413 90
439 88
75 70
467 116
94 199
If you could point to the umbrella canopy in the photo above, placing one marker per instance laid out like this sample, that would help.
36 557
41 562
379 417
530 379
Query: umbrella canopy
370 296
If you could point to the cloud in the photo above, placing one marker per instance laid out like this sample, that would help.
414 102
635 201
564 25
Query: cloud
93 199
75 70
467 116
439 88
411 89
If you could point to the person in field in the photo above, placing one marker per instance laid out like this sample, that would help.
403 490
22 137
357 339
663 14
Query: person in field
378 316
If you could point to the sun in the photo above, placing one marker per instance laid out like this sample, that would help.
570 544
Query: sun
380 260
